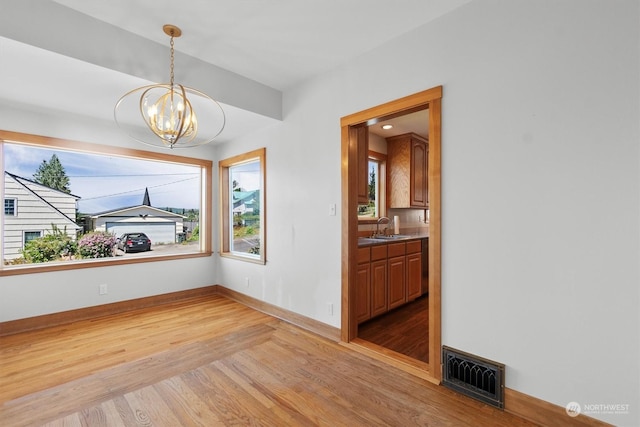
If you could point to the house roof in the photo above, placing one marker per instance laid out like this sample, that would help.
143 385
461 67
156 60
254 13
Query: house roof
21 181
19 178
121 211
243 196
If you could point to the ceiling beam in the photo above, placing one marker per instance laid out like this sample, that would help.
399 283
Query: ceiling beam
51 26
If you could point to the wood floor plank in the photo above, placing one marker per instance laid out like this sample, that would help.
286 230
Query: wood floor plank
262 394
185 403
148 401
112 415
72 420
211 361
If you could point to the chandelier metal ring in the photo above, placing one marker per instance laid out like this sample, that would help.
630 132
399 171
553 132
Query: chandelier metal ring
169 111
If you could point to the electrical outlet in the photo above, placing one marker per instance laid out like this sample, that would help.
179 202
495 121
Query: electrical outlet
103 289
246 282
332 209
330 308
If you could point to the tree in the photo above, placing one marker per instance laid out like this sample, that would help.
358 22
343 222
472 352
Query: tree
372 184
52 174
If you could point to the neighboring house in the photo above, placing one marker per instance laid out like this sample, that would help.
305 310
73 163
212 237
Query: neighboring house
161 226
31 210
245 201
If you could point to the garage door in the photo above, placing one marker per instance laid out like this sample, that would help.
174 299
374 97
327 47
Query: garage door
158 232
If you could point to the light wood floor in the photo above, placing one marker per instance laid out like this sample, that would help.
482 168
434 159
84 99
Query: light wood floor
211 361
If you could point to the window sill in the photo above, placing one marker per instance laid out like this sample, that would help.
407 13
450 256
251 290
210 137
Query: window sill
106 262
243 258
367 220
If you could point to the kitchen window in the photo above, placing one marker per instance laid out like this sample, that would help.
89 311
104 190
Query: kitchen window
242 185
377 188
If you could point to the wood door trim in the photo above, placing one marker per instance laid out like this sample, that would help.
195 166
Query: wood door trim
430 98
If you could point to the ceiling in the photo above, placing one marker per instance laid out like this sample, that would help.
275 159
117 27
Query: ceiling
80 55
416 122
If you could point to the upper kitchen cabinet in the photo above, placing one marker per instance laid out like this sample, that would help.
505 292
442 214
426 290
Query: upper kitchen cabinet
407 171
361 135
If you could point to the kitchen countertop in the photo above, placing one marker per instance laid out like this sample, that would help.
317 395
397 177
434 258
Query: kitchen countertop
368 241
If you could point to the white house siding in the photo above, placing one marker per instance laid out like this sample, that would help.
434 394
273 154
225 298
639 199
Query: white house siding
65 203
35 214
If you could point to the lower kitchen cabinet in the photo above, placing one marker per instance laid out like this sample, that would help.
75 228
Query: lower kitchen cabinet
397 265
414 270
397 281
379 287
379 294
388 276
363 292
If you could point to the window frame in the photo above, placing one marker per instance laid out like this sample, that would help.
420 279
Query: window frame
206 167
225 217
381 159
14 207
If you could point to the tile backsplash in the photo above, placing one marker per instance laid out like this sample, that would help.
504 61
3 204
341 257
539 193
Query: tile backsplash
412 221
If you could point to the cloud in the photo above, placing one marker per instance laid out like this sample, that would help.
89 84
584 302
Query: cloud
107 182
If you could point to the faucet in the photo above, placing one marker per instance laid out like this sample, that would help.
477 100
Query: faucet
381 220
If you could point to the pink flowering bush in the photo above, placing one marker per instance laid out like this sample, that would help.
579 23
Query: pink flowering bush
97 244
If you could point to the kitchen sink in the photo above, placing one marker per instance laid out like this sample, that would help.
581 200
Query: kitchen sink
392 237
367 240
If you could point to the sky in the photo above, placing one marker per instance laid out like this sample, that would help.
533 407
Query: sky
247 175
109 182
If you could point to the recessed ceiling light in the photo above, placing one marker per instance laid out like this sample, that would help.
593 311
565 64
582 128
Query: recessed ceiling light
387 127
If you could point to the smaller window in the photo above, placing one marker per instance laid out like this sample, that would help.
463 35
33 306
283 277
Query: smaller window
242 183
10 207
31 235
377 188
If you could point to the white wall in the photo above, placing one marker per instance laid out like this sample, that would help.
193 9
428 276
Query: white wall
540 190
541 186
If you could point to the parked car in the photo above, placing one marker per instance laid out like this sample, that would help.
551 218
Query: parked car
130 242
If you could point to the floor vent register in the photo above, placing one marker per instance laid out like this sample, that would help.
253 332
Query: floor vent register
473 376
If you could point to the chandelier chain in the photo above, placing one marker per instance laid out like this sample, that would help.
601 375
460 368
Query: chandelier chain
171 66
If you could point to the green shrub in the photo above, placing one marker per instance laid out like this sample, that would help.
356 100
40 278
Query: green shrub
195 235
50 247
255 250
97 244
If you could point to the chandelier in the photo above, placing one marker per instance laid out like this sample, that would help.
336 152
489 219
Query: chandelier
168 112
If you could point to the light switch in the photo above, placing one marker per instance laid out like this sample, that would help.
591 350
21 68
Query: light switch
332 209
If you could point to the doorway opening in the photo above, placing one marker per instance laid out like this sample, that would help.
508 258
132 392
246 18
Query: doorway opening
354 154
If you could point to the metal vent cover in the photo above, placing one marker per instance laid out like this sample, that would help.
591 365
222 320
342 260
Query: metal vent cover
473 376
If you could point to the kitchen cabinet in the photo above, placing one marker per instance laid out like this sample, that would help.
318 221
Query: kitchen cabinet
407 168
414 269
361 136
397 265
363 285
379 296
388 276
